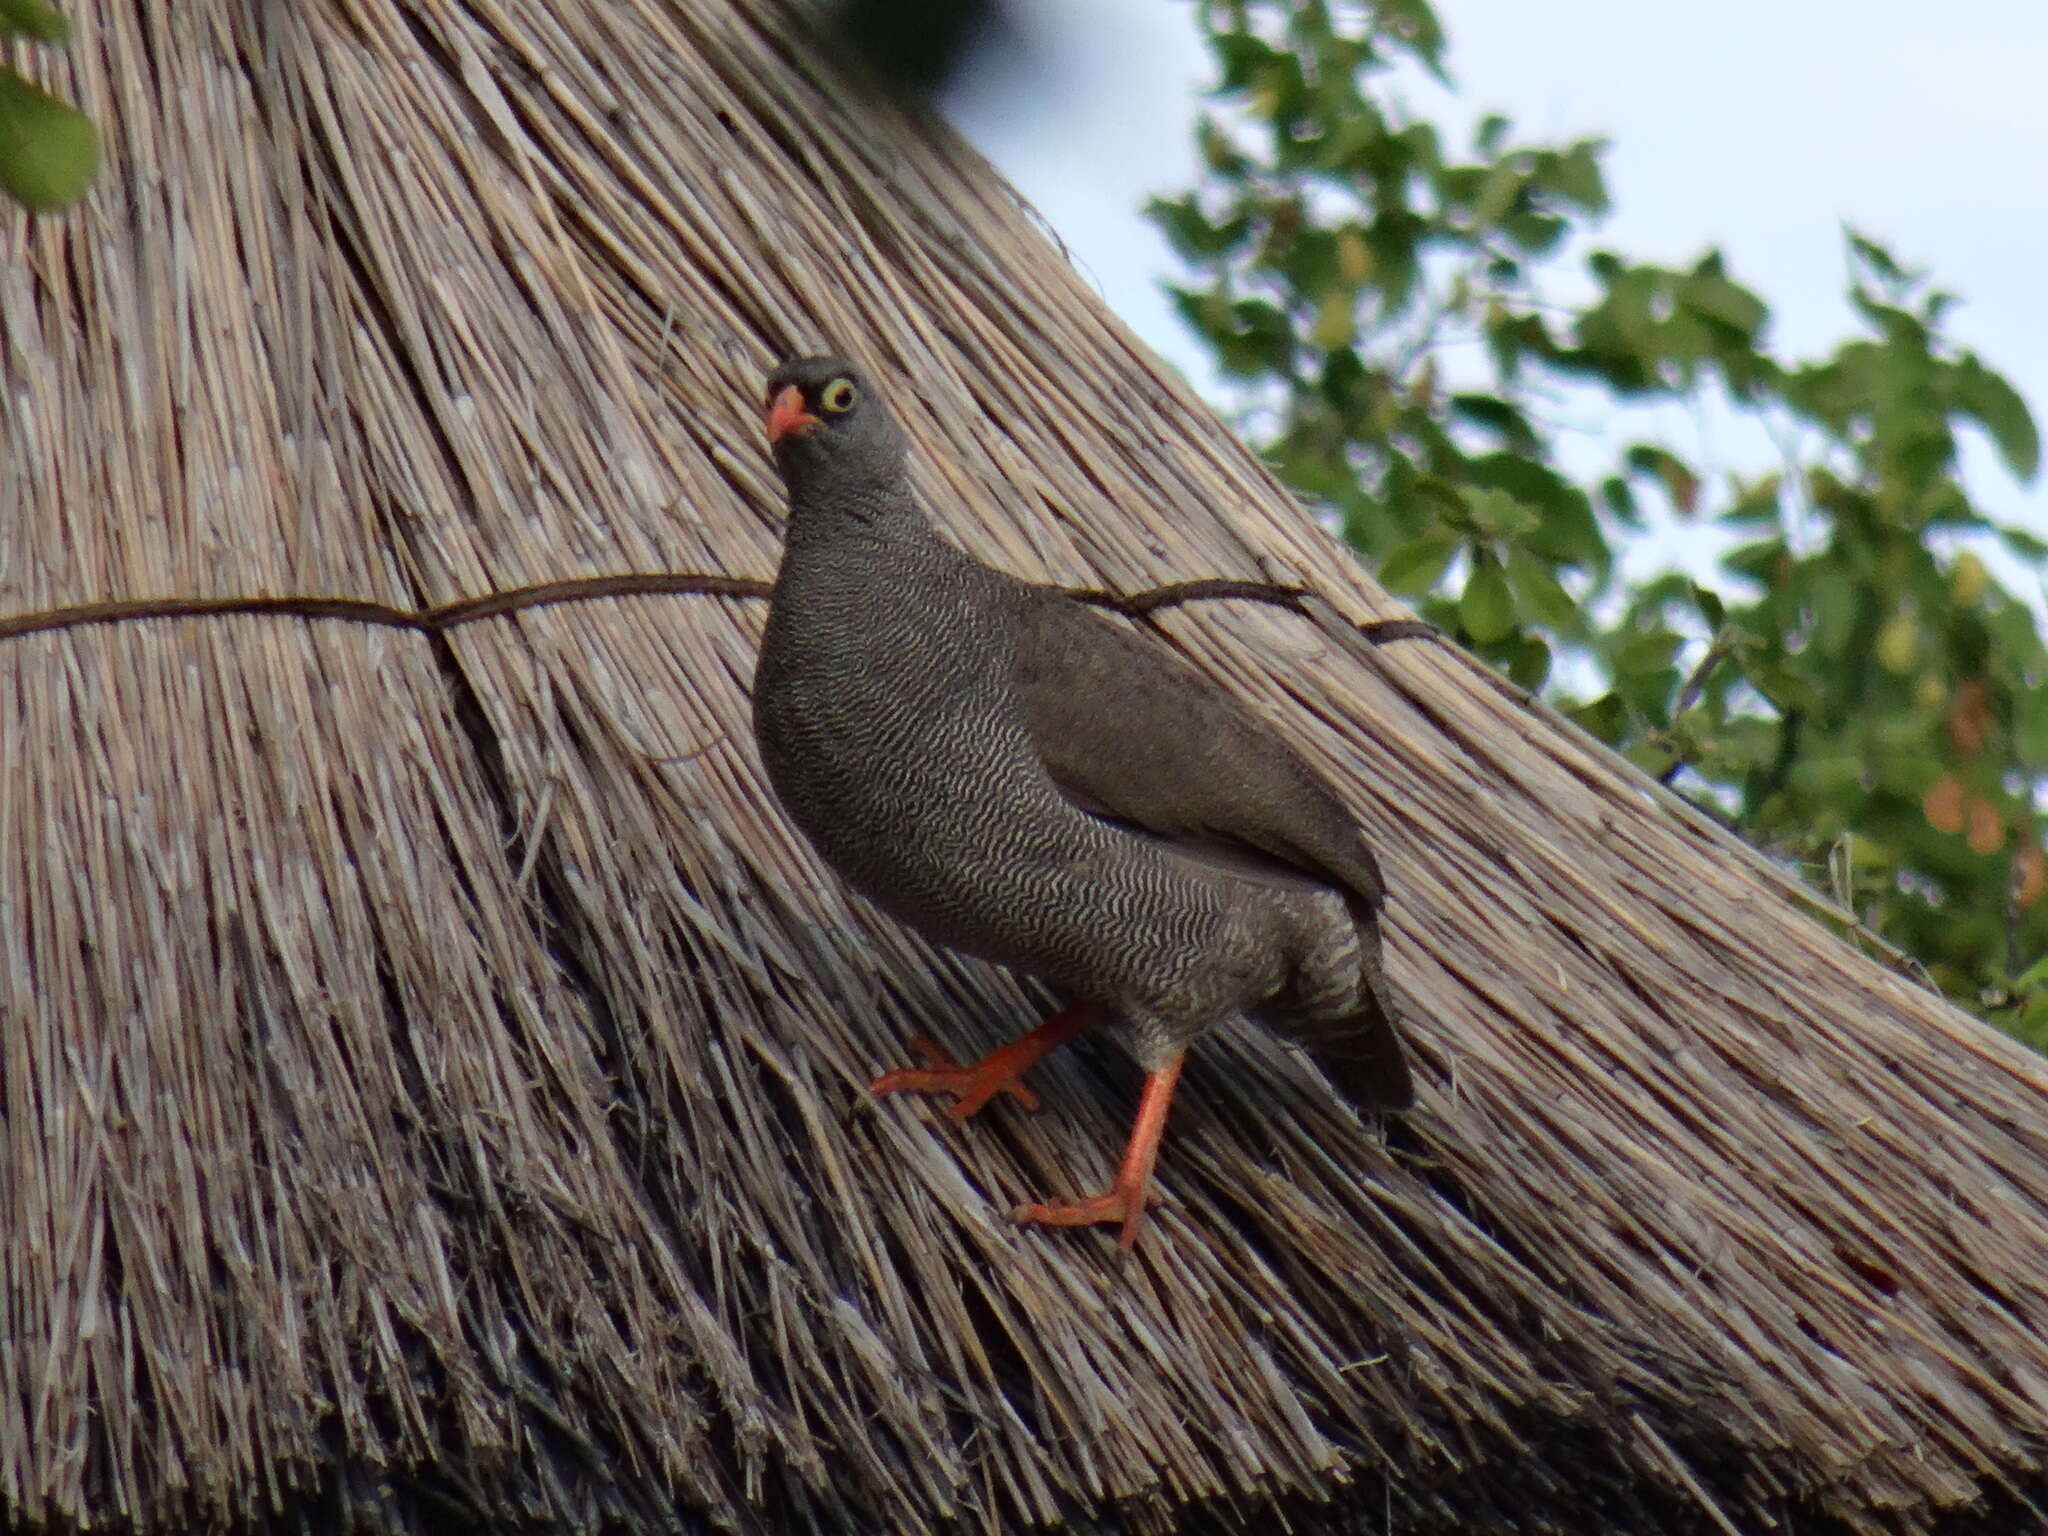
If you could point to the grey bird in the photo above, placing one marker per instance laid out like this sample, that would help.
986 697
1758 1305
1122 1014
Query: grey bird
1013 774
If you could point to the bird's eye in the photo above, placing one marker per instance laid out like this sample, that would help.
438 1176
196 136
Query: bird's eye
838 396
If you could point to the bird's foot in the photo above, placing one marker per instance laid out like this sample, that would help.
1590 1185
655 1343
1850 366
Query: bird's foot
1001 1071
1131 1192
972 1087
1123 1205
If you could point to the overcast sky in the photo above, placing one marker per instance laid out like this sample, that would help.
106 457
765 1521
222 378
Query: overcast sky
1760 126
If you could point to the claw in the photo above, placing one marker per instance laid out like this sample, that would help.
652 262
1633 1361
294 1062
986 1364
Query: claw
972 1087
1119 1205
1129 1195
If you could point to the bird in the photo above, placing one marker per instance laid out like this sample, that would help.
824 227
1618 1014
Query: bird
1018 776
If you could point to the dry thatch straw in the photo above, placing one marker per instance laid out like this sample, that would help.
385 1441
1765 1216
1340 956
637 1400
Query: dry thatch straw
432 1070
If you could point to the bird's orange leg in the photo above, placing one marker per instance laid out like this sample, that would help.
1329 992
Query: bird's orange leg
997 1072
1126 1199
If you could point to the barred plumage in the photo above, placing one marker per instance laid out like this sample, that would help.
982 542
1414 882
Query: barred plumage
1014 776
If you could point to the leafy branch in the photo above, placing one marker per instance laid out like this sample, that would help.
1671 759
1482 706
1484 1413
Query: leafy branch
1853 682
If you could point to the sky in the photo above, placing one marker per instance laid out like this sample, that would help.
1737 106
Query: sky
1759 126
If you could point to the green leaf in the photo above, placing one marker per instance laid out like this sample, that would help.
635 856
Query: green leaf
1904 331
1417 566
1188 230
1434 493
1242 56
1987 399
1653 757
1755 504
2029 548
1535 233
1336 322
1767 562
33 19
1640 655
1876 258
1219 153
1529 667
1577 175
1606 718
1620 500
1414 26
1500 418
1541 596
48 148
1838 601
1498 514
1730 303
1786 689
1670 471
1498 194
1709 605
1486 608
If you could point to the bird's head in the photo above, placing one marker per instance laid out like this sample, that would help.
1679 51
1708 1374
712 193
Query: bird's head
828 428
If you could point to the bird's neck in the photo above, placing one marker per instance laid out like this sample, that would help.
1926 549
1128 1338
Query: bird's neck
881 505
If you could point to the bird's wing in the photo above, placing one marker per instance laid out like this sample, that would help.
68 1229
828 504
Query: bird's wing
1132 734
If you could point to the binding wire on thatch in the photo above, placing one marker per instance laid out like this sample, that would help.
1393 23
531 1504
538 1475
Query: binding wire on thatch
433 1071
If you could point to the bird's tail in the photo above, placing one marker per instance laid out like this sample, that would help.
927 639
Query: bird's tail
1349 1031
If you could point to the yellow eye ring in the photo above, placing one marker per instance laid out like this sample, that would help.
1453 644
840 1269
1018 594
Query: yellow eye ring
838 396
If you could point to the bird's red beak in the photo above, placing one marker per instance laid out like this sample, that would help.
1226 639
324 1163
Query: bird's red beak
787 416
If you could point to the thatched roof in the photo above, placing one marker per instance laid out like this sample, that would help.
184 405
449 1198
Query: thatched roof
433 1071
